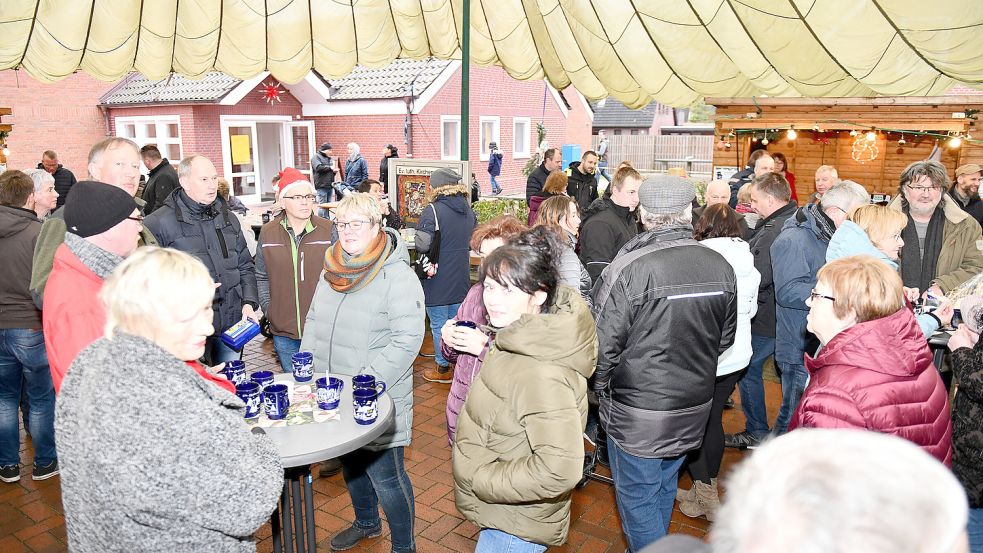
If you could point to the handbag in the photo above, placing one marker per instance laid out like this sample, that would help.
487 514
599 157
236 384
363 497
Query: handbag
425 265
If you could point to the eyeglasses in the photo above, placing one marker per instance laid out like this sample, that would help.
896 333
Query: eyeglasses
304 198
137 218
354 225
814 294
920 189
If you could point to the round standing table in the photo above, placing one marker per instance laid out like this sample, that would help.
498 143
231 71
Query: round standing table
301 446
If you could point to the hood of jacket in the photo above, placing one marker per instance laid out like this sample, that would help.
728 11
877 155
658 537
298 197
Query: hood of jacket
455 196
14 220
564 335
849 240
907 355
803 218
399 254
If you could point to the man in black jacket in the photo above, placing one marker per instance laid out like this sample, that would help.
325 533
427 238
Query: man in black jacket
966 190
64 179
654 392
162 179
610 222
323 170
581 184
552 161
387 152
771 199
196 220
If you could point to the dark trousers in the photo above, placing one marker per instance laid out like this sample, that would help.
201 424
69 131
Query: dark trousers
377 478
704 463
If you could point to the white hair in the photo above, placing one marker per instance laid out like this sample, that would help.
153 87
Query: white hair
832 491
658 220
828 169
846 195
40 178
355 149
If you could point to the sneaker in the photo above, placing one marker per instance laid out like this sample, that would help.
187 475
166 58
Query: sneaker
440 375
45 472
9 473
742 440
349 537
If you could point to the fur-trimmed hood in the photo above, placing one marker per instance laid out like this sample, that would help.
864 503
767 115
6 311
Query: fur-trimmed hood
449 190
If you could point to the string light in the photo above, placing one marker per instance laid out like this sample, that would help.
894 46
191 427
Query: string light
853 132
902 141
6 151
955 142
791 134
871 136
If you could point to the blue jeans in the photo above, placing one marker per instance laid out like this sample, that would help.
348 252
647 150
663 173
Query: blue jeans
496 541
217 352
439 314
378 477
24 361
794 379
285 348
494 184
602 171
753 387
323 197
975 530
644 490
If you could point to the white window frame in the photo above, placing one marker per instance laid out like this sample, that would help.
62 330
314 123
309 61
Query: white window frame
160 121
456 154
483 140
521 154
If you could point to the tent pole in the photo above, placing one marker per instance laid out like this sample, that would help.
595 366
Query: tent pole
465 81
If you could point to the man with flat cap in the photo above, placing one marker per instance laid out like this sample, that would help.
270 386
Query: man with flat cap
103 225
654 391
966 190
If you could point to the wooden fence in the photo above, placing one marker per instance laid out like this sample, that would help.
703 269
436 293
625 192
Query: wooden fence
660 153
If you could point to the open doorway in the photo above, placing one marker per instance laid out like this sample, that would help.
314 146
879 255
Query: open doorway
255 148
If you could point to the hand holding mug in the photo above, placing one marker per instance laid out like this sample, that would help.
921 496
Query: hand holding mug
468 340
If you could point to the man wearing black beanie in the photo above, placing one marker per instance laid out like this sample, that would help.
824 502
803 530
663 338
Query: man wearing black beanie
103 225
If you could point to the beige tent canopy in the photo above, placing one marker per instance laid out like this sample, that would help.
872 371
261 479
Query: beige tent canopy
673 51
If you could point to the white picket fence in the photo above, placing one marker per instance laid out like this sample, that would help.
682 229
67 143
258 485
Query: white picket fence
654 153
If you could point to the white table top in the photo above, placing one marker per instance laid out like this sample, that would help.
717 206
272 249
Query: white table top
306 444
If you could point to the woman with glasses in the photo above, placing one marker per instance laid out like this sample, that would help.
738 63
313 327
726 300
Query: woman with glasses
367 318
875 370
291 253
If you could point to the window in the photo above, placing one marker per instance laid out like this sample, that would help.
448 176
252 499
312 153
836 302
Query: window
163 132
450 137
487 134
520 137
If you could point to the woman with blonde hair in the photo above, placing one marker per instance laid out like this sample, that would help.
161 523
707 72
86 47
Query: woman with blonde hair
153 453
562 215
556 185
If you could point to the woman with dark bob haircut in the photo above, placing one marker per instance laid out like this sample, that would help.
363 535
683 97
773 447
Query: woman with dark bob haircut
518 451
719 230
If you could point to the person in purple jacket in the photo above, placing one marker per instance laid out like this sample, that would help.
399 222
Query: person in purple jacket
464 346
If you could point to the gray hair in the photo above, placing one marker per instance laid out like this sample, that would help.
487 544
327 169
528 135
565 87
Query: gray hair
40 178
934 170
840 490
184 168
660 220
828 169
845 195
355 149
111 143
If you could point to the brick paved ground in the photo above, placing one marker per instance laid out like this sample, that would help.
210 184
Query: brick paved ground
31 513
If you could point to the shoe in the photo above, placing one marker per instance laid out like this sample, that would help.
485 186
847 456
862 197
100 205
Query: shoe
45 472
742 440
703 501
440 375
328 468
684 495
10 473
602 456
349 537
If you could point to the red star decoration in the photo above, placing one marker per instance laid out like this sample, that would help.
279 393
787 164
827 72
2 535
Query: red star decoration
271 92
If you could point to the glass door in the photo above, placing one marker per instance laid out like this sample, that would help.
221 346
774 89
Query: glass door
298 138
241 145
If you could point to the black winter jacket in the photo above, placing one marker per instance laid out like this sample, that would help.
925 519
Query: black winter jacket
161 182
536 181
322 171
581 186
384 170
736 181
213 235
764 236
654 387
64 180
974 206
967 421
604 229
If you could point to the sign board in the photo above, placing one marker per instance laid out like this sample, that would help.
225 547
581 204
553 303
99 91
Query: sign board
724 172
412 183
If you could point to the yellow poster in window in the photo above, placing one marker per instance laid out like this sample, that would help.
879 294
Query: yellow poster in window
240 149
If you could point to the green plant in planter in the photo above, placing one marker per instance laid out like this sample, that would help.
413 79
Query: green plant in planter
701 191
488 209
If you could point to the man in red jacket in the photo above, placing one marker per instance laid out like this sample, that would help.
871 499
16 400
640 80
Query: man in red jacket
103 225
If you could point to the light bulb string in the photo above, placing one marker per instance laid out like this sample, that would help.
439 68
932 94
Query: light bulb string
860 127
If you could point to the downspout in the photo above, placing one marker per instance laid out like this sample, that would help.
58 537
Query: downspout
105 119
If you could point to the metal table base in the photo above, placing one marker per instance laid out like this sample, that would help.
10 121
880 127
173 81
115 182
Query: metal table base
293 519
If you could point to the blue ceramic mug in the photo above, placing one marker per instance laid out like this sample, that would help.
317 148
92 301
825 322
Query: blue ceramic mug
303 365
235 371
368 381
329 392
366 405
263 378
249 393
276 401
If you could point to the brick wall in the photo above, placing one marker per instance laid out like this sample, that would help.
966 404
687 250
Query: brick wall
62 116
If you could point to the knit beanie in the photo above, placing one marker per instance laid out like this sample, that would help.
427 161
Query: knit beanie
94 207
291 178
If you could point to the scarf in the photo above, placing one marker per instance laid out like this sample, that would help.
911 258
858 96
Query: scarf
917 270
96 259
352 273
824 224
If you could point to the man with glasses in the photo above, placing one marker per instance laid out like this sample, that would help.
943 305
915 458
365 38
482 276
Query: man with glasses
196 220
939 251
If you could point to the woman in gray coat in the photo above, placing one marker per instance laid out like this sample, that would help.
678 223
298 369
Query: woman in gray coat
367 317
155 453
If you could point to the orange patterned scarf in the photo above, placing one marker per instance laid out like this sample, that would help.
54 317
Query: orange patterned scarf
355 273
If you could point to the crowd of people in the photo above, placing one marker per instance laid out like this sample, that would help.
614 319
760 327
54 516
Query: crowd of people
609 327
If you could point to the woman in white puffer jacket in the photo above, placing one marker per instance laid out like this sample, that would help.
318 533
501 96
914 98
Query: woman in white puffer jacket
719 230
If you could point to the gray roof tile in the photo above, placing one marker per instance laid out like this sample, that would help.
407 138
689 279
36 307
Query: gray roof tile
614 114
390 81
137 89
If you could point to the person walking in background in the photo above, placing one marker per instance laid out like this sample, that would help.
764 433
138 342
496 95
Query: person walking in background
448 209
45 196
603 156
494 167
23 360
388 152
356 170
64 179
781 167
162 179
